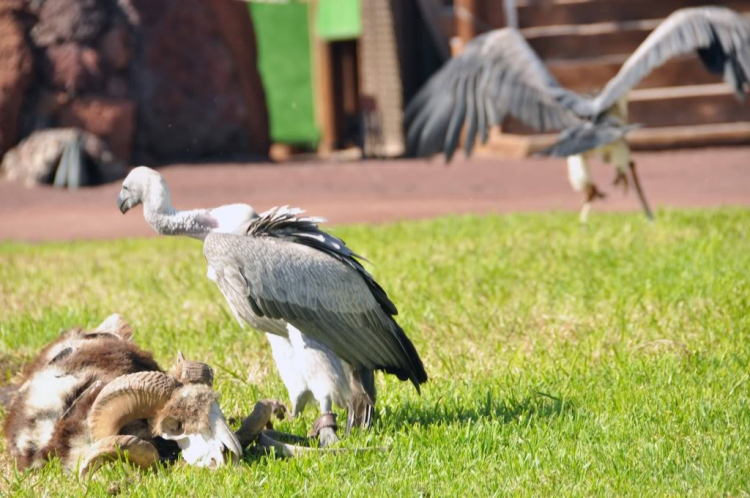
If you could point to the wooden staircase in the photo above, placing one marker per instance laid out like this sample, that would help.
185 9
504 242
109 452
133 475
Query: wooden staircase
584 43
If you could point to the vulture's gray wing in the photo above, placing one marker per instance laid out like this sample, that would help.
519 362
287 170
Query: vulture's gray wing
719 35
496 74
587 136
285 268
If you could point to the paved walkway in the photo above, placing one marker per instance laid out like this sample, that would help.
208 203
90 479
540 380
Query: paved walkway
379 191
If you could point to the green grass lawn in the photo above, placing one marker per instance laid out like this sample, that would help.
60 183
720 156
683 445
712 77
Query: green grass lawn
564 360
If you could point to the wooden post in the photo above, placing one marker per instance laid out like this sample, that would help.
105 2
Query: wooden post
466 11
511 16
323 86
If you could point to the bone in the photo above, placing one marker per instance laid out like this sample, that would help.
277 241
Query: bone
252 430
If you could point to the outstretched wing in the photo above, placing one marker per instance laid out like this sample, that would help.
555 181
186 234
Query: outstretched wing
496 74
286 269
719 35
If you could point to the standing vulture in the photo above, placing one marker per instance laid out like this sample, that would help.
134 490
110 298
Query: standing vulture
499 74
329 323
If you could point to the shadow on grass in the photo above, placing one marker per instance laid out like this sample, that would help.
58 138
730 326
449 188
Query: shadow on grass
461 410
458 411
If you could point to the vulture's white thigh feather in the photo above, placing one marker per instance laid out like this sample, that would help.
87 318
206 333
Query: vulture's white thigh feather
579 174
321 368
291 375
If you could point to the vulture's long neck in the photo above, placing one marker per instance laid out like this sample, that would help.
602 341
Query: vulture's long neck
166 220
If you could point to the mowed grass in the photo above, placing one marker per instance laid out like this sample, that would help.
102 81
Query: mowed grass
611 359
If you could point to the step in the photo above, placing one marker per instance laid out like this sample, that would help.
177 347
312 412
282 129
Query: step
686 105
588 40
596 11
511 146
589 75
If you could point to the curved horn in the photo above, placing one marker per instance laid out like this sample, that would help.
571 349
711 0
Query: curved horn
139 452
128 398
192 372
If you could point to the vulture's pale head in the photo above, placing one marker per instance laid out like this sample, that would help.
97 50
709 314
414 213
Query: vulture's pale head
143 185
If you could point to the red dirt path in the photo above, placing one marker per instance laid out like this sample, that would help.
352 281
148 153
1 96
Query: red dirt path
379 191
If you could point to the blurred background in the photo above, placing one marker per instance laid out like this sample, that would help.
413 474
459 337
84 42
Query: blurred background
118 83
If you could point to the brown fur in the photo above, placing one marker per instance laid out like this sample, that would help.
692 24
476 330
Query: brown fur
82 358
72 424
189 406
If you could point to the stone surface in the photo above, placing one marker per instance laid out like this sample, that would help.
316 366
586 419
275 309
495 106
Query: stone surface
71 20
186 71
237 29
34 161
115 47
117 87
74 68
113 120
16 71
190 100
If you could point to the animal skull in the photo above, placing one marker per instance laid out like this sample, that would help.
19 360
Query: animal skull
186 413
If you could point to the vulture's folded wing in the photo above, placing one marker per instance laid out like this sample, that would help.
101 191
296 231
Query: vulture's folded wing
286 269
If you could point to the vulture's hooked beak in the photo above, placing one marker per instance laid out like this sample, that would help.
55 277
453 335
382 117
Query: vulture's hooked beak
123 202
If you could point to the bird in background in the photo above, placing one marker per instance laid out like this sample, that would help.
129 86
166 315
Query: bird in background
329 323
498 74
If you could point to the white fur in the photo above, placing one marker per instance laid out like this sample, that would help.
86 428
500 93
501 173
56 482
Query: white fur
45 393
48 389
79 447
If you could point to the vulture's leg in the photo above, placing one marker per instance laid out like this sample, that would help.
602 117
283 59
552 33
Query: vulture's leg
592 193
360 408
325 426
641 194
290 372
621 178
299 402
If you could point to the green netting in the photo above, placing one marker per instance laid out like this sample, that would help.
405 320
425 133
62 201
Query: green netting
338 19
285 64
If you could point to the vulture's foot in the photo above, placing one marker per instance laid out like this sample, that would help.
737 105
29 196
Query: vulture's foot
278 410
325 428
621 178
592 193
